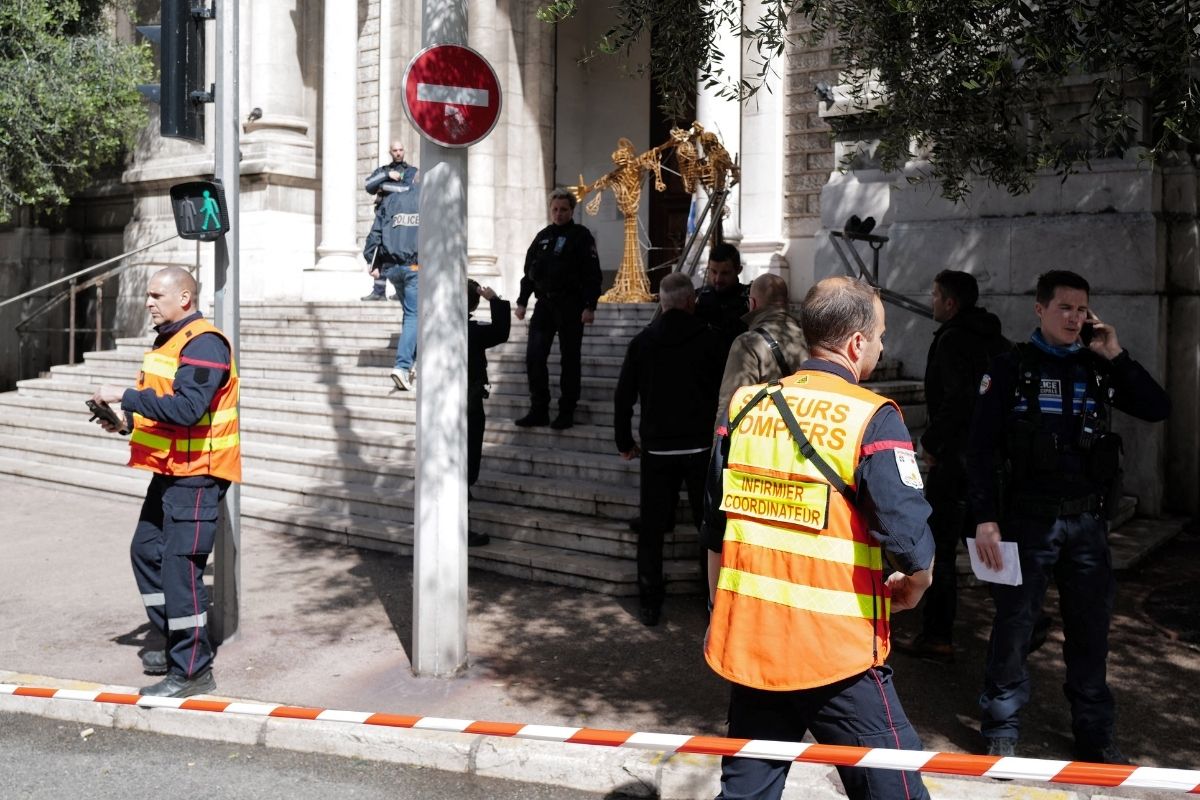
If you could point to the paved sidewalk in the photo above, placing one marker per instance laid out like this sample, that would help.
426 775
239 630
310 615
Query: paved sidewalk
330 626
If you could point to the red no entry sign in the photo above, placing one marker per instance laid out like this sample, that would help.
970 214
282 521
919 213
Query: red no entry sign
452 95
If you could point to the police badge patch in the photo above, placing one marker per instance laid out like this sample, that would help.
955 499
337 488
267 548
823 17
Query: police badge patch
985 383
906 464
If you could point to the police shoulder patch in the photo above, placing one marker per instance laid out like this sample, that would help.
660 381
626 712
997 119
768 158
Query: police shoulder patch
906 465
985 383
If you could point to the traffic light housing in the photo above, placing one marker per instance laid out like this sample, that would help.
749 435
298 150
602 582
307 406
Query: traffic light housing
181 92
200 210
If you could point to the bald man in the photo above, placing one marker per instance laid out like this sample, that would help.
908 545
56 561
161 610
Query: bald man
182 421
771 348
387 178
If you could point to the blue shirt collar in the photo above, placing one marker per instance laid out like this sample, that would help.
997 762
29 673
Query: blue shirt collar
1040 343
821 365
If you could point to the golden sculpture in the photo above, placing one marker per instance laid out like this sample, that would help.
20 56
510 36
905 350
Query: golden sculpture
702 159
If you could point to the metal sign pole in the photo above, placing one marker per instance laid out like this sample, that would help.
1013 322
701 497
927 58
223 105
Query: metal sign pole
227 155
440 536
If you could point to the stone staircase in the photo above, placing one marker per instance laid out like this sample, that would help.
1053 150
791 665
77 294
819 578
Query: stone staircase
329 444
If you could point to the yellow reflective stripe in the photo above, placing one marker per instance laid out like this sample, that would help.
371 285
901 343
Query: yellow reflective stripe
207 444
811 545
145 439
162 366
219 418
805 598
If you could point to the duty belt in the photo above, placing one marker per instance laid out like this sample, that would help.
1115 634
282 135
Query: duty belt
1026 505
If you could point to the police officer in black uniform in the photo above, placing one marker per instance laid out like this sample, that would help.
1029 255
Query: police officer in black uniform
1044 469
563 270
387 178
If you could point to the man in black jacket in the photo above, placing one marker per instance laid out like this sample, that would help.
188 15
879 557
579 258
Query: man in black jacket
673 368
392 247
1043 422
968 339
563 270
723 299
387 178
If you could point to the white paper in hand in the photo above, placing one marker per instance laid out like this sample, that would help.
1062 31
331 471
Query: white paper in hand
1009 574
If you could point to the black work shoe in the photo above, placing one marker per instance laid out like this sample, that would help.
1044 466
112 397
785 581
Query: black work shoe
564 420
923 647
154 662
175 685
1003 746
1108 754
373 297
648 615
534 419
477 539
1041 629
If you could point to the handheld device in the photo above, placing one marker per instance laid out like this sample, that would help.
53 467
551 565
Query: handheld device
104 412
1087 331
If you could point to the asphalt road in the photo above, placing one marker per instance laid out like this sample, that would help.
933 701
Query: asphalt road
47 759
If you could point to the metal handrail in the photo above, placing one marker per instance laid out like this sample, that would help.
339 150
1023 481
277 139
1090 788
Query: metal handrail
74 287
75 275
871 275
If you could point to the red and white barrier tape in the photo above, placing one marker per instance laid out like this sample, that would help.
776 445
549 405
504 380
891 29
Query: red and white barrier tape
1032 769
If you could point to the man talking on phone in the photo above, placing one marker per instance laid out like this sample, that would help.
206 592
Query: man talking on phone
1044 472
182 420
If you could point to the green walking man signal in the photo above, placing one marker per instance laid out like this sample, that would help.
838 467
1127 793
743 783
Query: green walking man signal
200 210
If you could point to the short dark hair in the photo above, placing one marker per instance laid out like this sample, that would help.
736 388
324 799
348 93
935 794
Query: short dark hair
726 252
562 194
1048 282
837 308
959 285
472 295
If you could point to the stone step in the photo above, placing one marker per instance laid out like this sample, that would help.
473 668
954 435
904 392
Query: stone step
523 559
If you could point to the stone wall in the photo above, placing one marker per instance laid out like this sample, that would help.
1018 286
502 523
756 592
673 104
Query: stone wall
1121 224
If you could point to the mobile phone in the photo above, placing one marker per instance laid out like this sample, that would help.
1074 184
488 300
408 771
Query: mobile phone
104 412
1087 332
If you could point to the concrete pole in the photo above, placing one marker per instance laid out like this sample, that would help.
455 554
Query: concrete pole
386 77
227 573
338 250
440 539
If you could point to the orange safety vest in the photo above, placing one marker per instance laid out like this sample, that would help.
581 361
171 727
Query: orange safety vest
800 598
211 446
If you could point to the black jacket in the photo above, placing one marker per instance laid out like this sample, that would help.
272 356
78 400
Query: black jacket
1000 404
561 265
396 231
480 337
960 352
673 368
724 310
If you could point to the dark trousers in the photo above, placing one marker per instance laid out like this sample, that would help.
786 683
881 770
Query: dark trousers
950 523
171 545
550 318
1074 551
862 711
476 420
659 497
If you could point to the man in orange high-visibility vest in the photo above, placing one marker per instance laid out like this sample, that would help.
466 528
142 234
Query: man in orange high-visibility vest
182 420
813 478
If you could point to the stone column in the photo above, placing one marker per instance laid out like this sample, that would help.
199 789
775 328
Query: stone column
481 157
275 84
724 117
338 251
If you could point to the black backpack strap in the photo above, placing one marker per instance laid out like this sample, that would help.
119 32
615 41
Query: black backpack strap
805 446
737 419
784 369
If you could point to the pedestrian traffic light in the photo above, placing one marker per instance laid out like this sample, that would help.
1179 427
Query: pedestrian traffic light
200 210
181 92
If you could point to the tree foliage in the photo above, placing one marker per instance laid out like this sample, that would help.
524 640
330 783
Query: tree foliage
997 89
69 104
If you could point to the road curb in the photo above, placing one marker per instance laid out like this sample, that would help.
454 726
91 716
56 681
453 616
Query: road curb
616 772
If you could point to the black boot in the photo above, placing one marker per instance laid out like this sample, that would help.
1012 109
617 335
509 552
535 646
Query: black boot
154 662
564 420
536 418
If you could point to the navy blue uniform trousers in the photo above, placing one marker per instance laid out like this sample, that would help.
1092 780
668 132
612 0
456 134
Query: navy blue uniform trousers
565 319
171 545
861 711
1074 551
